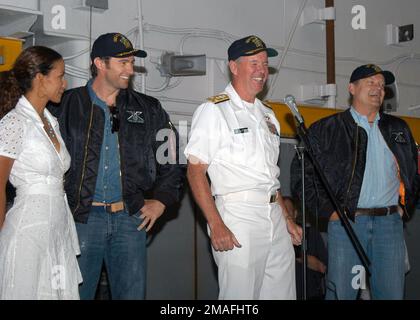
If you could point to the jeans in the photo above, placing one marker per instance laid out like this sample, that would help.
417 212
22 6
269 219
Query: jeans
115 240
383 241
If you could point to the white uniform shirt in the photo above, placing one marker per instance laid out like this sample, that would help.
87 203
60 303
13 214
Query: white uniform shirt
239 141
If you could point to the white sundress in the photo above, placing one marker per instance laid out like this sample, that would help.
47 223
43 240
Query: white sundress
38 240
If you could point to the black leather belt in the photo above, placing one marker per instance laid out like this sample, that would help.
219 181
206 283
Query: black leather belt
376 211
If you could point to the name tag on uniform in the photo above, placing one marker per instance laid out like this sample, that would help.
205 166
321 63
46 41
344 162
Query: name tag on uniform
240 130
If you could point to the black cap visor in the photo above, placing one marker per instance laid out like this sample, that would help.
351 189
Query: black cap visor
389 77
136 52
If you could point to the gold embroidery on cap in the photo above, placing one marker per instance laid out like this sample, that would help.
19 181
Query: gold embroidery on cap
375 67
119 37
256 41
126 53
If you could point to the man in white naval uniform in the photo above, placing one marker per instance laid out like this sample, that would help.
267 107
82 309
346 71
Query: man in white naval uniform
235 139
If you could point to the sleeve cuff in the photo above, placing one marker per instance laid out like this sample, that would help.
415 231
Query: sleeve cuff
166 198
203 158
8 155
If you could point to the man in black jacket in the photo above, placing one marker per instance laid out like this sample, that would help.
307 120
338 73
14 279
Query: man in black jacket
111 133
370 161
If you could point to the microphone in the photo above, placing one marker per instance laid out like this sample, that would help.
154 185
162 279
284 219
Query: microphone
289 100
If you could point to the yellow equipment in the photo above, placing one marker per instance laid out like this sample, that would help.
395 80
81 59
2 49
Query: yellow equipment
10 48
312 114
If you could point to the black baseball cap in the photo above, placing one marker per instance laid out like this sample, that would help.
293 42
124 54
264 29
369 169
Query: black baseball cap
114 45
249 46
368 70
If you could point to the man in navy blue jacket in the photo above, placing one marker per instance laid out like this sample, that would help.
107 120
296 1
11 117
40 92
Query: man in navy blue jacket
370 161
111 133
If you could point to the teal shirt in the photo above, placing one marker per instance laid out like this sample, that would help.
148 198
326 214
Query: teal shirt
380 187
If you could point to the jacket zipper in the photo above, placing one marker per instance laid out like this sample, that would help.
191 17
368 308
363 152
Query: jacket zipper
121 165
354 165
84 158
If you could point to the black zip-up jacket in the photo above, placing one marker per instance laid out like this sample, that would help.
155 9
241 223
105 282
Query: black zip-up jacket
340 145
82 127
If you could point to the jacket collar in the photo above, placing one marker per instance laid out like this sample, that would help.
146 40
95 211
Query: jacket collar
121 97
383 117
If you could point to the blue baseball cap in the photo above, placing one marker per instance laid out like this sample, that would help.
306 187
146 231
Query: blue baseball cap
368 70
114 45
249 46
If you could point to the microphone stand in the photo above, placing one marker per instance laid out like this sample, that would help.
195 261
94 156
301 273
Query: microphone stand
301 155
302 132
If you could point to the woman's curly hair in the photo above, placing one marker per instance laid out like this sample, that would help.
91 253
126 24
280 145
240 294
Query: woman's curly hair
18 81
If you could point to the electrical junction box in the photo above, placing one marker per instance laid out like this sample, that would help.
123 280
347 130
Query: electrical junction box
406 33
397 34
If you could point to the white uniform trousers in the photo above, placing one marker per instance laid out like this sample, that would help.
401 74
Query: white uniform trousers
264 267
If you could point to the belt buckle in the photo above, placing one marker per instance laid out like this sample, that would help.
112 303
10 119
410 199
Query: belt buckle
388 211
112 207
108 208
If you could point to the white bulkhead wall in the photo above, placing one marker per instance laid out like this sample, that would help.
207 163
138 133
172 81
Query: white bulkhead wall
208 27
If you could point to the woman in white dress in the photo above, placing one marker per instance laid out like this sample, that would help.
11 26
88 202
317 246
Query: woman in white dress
38 239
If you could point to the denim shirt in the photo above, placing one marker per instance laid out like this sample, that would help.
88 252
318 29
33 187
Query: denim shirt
381 183
108 184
